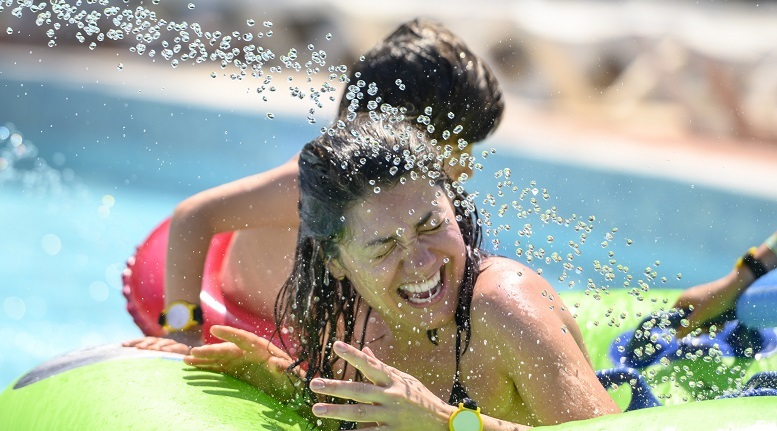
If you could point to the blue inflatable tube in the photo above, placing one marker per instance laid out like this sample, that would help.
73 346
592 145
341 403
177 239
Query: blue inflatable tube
757 306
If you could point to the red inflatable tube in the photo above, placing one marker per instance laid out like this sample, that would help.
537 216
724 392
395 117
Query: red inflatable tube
144 288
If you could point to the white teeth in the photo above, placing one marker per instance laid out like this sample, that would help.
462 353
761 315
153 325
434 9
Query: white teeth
422 287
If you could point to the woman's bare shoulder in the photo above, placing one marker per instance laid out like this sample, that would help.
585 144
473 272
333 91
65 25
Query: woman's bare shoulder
509 293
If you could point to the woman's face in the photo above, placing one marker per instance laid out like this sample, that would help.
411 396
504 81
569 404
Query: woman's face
403 252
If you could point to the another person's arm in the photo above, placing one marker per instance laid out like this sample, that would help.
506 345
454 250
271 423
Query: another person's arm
711 299
265 199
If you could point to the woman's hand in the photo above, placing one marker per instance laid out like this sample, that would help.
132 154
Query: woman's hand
393 400
709 301
158 343
248 357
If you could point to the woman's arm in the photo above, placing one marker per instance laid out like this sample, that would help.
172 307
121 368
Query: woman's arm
540 345
269 198
711 299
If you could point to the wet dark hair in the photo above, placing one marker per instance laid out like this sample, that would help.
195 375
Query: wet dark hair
422 64
336 170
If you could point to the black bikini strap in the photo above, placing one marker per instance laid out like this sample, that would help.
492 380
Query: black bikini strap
458 393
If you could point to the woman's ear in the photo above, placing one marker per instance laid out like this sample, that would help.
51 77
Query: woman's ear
336 268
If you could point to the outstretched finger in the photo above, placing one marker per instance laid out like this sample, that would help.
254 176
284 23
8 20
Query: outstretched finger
247 341
354 391
153 343
220 350
373 369
201 362
350 412
133 343
369 352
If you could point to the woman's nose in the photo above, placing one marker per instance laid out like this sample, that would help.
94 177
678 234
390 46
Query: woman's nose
419 258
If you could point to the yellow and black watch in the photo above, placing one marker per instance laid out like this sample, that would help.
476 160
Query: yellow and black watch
180 316
749 261
466 419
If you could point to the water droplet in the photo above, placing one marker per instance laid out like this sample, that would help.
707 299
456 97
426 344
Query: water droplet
328 36
267 24
270 115
51 244
9 30
120 66
376 190
250 22
191 6
14 307
213 74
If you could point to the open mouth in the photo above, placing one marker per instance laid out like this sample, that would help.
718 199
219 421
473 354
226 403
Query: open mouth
423 292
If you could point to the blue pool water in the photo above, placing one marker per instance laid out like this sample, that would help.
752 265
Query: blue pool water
119 166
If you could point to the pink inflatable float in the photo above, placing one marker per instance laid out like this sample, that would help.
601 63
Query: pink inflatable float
144 288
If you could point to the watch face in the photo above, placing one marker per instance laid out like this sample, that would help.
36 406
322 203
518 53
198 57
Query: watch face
178 316
466 420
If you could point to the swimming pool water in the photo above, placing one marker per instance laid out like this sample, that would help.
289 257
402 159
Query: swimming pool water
63 248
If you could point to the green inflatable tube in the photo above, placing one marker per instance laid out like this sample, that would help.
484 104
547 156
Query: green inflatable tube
112 387
731 414
117 388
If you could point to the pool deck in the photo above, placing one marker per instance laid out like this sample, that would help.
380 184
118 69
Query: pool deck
743 166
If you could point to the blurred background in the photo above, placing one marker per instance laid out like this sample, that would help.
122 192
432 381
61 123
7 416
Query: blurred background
659 67
651 122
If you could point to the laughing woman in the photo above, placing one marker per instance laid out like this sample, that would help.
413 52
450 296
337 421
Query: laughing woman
393 308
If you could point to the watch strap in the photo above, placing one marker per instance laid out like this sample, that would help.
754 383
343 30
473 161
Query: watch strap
755 266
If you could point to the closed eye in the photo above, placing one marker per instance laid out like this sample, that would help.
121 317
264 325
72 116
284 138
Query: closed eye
432 225
389 247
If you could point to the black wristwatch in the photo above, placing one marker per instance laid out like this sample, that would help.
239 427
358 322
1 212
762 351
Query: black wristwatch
754 265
